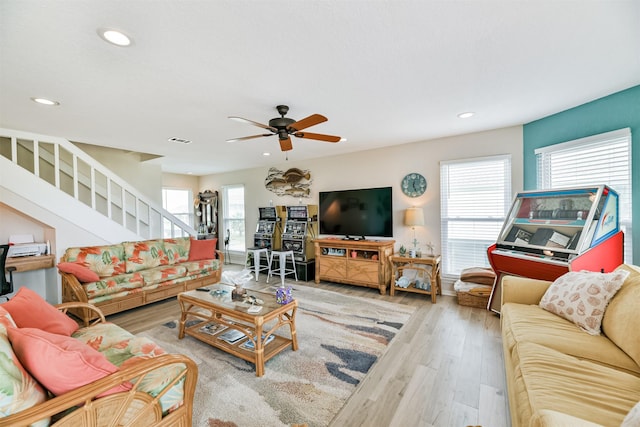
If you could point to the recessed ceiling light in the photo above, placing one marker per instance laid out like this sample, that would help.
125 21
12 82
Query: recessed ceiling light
115 37
45 101
266 154
466 115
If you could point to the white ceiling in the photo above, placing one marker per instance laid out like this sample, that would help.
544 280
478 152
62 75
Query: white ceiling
384 72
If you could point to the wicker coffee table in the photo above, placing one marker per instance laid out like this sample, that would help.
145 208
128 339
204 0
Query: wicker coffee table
228 326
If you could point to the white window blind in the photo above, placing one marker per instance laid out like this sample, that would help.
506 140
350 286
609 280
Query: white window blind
475 198
599 159
233 209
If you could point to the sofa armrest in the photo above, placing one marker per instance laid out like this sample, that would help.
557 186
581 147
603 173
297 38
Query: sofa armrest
220 256
126 404
523 290
65 306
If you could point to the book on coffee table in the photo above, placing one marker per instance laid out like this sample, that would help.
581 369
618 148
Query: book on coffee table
213 328
248 344
232 336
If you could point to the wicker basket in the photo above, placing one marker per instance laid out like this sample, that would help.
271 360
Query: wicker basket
472 299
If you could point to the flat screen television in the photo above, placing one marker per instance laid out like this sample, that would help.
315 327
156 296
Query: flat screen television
361 213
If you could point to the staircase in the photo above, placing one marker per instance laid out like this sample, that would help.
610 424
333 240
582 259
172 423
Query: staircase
43 176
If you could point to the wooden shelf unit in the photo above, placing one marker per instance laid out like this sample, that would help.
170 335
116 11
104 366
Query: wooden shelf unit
429 267
355 262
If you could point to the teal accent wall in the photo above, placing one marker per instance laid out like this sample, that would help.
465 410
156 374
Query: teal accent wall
616 111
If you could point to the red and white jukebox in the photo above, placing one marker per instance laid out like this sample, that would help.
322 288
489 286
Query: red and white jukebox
550 232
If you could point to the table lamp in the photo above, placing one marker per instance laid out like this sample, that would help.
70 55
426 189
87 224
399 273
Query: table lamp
413 217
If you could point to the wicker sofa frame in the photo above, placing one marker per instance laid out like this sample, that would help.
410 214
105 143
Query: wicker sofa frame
73 291
133 408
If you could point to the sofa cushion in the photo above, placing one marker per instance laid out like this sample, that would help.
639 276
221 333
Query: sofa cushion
144 254
105 260
546 379
162 273
82 273
113 285
18 389
124 349
30 310
530 323
583 296
61 363
202 267
202 249
177 249
622 317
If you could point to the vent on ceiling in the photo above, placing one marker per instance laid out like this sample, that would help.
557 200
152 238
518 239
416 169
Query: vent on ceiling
179 140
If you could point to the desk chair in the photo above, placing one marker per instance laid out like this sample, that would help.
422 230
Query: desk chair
6 287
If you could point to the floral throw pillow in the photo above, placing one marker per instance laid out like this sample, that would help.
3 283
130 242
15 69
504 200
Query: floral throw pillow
582 297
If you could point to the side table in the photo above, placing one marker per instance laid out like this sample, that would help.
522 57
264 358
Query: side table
429 266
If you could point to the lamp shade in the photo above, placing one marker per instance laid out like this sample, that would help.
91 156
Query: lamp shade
414 216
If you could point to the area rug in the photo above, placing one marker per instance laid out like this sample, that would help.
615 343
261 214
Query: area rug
340 337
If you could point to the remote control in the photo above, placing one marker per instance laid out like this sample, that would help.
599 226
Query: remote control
202 289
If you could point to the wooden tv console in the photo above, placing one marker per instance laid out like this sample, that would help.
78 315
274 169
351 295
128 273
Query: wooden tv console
356 262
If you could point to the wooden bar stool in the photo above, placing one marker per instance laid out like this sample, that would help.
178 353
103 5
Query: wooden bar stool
282 260
256 260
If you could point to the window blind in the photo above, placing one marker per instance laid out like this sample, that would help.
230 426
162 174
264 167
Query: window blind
599 159
475 198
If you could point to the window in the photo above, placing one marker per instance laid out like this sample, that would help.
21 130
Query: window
475 198
178 202
233 205
594 160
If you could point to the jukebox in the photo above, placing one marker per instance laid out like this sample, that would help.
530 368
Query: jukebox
268 233
300 227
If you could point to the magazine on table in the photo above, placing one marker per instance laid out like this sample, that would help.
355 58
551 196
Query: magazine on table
232 336
213 328
248 344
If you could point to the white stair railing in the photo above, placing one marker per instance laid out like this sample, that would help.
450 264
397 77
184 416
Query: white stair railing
71 170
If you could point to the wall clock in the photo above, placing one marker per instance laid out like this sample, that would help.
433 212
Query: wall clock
414 185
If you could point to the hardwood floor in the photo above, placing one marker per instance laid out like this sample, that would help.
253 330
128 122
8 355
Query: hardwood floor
444 368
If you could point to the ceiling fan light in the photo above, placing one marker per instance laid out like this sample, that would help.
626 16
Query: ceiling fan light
466 115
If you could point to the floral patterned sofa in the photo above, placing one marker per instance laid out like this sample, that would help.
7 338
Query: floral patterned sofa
130 274
53 372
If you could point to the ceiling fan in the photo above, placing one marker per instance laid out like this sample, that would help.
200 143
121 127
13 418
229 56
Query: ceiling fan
284 127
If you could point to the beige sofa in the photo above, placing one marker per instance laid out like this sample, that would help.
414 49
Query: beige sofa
126 275
557 374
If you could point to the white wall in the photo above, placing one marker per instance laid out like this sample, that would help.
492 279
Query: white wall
144 176
380 168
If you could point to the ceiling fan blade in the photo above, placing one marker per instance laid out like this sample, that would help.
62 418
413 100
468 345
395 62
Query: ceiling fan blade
251 122
318 136
285 144
312 120
249 137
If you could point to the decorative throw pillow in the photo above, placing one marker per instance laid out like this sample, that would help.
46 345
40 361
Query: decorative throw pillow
81 272
633 417
582 297
479 275
30 310
18 389
60 363
202 249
